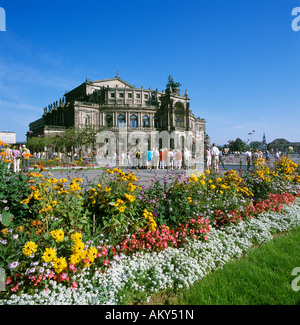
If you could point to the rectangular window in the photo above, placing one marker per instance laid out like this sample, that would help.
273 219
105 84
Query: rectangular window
146 96
138 95
129 95
179 121
112 95
121 95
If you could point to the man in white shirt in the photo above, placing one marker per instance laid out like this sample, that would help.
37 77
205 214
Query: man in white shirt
215 157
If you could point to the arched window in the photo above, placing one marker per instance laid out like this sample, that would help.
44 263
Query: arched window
133 121
146 122
109 120
121 121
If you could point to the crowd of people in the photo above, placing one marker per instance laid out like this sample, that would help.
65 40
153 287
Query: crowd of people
19 155
152 159
215 157
156 159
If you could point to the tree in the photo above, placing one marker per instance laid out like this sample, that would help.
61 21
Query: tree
237 145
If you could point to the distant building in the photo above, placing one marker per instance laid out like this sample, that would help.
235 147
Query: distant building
283 145
8 137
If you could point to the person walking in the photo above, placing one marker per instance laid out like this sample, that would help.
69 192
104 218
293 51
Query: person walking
248 155
267 154
129 159
215 157
208 158
161 160
149 158
221 161
171 159
178 159
155 158
138 157
25 158
16 159
166 158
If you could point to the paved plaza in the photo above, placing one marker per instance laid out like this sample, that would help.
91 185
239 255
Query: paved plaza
91 175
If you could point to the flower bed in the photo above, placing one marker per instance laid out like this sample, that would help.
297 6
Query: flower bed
63 243
144 274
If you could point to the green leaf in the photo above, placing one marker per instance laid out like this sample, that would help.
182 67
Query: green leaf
6 218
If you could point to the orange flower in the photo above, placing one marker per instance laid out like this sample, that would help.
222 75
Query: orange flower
32 187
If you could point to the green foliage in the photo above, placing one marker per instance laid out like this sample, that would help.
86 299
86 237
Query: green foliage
13 188
114 205
6 218
237 145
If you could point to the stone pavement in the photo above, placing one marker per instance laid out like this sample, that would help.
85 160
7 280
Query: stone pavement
145 175
92 175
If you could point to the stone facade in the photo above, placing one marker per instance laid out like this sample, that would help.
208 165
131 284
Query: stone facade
114 104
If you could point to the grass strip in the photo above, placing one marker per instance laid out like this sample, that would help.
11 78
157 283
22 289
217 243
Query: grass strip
262 277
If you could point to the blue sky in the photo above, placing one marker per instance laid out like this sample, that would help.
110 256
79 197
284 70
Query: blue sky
238 59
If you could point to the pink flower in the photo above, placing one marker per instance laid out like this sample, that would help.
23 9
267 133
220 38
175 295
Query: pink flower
106 262
74 285
15 288
72 268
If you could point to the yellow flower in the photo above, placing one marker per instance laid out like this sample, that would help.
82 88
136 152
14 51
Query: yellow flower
151 222
58 235
49 255
59 264
193 179
78 247
63 180
131 187
207 172
52 180
212 186
121 209
76 236
29 248
202 182
26 201
76 179
107 189
63 192
37 195
75 259
129 197
221 192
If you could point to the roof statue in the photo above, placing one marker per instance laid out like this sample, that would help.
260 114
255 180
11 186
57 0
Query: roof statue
172 86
